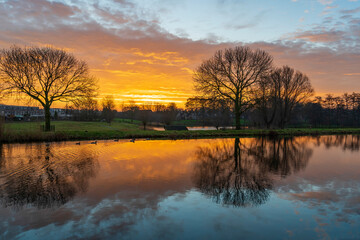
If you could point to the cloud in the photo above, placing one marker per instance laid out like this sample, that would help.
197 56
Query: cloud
352 74
331 7
324 36
251 23
34 14
318 197
325 2
351 11
133 56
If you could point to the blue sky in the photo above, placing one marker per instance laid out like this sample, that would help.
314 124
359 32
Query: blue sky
146 50
245 21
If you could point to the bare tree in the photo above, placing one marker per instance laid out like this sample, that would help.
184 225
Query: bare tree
211 111
108 108
220 112
231 74
87 108
131 110
145 114
294 87
198 106
169 113
266 96
46 75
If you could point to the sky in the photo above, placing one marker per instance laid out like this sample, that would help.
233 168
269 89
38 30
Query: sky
147 50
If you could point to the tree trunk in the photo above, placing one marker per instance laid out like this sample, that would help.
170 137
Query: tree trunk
47 117
237 116
282 123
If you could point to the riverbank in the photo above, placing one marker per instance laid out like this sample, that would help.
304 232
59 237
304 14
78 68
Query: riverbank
70 131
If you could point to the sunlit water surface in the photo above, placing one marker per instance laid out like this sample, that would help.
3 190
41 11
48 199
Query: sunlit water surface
252 188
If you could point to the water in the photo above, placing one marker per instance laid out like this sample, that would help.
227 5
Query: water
248 188
194 128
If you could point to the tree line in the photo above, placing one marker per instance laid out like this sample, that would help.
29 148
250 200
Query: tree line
89 110
331 111
237 86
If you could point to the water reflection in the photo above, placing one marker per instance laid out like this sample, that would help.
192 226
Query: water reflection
151 189
44 178
347 142
243 174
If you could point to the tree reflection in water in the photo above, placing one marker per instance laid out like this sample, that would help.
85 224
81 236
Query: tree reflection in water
347 142
241 174
44 178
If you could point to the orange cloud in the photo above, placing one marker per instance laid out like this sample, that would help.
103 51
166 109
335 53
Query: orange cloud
136 60
352 74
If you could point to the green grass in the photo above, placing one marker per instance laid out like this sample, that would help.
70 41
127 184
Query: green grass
72 126
71 130
125 120
193 123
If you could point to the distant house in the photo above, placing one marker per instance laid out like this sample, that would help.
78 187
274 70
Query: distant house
61 113
19 113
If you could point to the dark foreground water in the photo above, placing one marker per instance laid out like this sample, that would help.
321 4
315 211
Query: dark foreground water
253 188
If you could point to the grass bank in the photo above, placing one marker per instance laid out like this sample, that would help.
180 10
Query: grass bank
70 130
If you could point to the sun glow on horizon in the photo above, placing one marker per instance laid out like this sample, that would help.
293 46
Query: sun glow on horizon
146 51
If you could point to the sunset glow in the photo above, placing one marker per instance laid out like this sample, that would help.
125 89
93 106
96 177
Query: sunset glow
146 51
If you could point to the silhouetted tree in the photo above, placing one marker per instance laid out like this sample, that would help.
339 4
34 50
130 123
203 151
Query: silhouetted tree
145 114
159 107
294 87
108 108
211 111
219 110
169 114
314 114
131 110
230 74
266 95
46 75
87 108
198 106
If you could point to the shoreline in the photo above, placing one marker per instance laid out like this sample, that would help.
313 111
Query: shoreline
58 136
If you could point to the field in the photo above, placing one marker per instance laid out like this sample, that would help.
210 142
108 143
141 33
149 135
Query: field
71 130
70 126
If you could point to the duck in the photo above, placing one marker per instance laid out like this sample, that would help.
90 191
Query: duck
95 142
132 140
116 140
78 143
